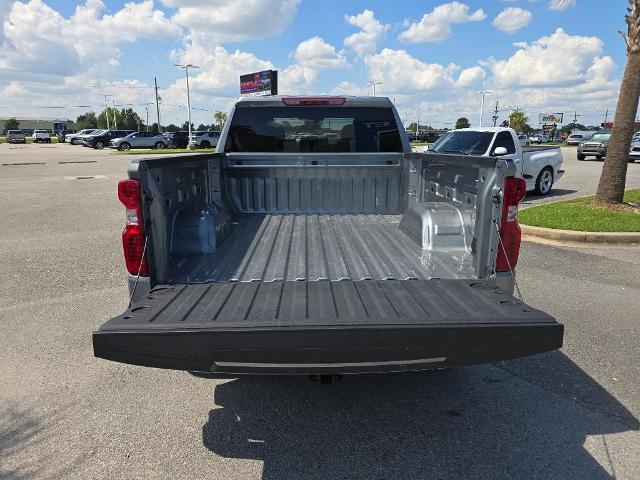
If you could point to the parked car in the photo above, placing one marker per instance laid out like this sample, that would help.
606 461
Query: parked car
73 137
523 140
205 139
596 146
535 139
541 167
177 139
62 135
634 151
82 139
43 136
102 138
140 140
575 139
16 136
236 268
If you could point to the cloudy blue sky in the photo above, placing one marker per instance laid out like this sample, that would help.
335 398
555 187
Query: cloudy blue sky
431 56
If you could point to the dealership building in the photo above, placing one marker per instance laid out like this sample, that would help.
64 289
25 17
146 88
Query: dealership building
29 124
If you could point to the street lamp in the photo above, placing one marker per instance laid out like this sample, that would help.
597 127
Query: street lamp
373 84
482 92
186 72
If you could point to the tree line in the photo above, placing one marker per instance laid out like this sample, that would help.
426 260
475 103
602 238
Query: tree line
127 119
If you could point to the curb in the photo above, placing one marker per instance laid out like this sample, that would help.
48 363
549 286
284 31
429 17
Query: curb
540 235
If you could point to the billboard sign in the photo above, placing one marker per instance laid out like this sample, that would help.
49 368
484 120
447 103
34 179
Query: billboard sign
546 128
259 83
550 118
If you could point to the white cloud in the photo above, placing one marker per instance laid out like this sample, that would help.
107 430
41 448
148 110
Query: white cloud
38 39
219 68
512 19
219 21
371 32
296 80
349 88
561 4
470 76
542 63
318 54
437 25
399 72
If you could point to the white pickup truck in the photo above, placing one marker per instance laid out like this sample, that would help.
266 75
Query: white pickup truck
540 166
315 242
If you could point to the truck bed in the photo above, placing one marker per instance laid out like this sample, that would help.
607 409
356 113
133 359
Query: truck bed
323 326
294 247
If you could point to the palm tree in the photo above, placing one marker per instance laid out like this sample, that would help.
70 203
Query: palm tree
614 170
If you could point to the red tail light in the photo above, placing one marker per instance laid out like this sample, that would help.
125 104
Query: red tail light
291 101
514 191
133 234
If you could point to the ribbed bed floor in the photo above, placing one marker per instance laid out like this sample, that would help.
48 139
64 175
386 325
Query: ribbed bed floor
319 247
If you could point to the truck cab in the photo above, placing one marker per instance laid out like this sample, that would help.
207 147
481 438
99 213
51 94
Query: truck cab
540 166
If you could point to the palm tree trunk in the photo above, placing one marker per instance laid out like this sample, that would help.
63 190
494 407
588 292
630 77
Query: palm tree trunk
614 170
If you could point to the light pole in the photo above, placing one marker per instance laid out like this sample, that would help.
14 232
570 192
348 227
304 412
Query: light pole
106 108
186 73
373 84
115 119
482 92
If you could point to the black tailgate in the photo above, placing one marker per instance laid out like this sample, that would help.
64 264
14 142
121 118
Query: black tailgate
325 326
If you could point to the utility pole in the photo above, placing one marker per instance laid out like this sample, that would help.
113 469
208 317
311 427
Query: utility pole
147 110
115 119
186 73
495 114
575 119
606 116
155 81
483 93
373 84
106 108
418 125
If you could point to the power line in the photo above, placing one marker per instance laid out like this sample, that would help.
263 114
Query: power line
78 106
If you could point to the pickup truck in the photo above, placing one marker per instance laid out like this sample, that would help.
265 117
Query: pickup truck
314 242
16 136
541 167
43 136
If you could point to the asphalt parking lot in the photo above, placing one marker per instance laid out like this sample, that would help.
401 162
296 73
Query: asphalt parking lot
573 413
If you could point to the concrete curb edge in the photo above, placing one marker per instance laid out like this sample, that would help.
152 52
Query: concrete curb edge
534 234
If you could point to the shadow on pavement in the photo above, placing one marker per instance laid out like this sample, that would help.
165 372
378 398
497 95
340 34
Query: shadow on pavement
555 192
22 436
474 422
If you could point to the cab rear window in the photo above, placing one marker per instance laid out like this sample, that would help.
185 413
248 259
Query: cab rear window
313 129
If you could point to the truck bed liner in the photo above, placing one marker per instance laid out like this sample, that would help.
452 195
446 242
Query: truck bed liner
306 327
319 247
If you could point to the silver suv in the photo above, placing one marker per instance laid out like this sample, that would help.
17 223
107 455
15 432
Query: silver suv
205 139
140 140
16 136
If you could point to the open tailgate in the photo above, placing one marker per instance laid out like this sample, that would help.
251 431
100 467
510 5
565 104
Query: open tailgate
304 327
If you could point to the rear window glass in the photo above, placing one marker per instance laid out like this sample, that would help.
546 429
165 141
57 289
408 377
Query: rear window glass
313 129
463 142
14 131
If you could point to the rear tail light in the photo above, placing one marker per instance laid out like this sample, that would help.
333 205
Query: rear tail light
510 235
133 234
292 101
